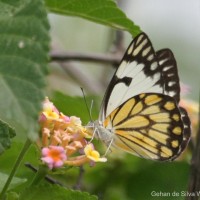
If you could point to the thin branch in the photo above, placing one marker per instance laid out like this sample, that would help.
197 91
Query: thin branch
194 180
113 59
72 69
119 42
79 179
47 177
81 77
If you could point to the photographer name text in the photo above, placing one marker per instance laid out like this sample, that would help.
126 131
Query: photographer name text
175 194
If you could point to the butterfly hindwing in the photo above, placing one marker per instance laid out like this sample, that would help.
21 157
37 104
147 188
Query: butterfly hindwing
187 131
148 125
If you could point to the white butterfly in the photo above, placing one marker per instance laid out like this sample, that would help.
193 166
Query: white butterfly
140 112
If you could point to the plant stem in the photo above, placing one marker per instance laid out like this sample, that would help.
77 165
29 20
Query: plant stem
194 179
15 167
41 173
47 177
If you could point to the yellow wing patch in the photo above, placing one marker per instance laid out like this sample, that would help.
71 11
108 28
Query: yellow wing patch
169 105
138 107
148 125
152 99
177 130
134 122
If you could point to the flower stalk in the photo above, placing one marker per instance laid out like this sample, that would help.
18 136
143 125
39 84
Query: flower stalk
15 167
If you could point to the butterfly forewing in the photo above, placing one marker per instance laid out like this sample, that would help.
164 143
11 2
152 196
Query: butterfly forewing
170 77
138 72
148 125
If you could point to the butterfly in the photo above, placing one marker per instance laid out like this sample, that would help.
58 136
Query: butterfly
140 112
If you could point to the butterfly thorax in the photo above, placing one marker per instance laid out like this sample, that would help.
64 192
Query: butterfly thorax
98 130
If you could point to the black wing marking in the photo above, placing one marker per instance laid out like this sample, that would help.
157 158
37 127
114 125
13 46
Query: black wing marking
186 132
168 65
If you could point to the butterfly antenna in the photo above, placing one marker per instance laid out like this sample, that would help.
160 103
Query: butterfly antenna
89 110
91 106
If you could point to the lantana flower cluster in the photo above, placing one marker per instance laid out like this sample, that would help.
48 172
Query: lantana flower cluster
64 141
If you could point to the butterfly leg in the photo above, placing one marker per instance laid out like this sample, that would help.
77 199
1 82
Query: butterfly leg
108 148
93 135
92 129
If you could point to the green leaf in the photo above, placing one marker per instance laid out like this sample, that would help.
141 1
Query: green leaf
6 133
46 192
12 196
75 106
100 11
24 45
15 181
